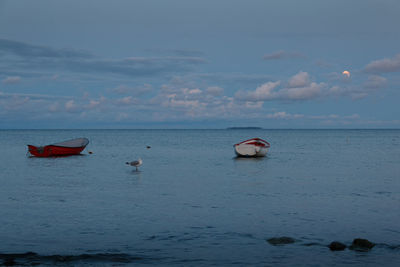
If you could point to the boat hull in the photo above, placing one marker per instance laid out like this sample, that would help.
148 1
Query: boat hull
250 151
254 147
54 151
66 148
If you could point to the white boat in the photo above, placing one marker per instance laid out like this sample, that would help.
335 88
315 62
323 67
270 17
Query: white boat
254 147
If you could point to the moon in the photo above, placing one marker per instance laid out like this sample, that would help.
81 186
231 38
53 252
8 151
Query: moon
346 73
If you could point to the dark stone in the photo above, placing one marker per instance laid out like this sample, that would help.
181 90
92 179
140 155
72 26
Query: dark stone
335 246
360 244
9 262
283 240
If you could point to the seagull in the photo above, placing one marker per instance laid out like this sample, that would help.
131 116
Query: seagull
135 163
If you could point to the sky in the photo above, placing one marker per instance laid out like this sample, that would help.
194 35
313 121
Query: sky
199 64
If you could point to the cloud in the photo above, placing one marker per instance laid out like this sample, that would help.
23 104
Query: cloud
26 57
371 85
335 119
234 78
352 117
176 59
262 93
25 107
183 103
11 80
375 82
281 54
13 103
339 77
309 91
33 96
180 97
299 87
170 104
131 67
71 106
178 52
253 105
42 107
301 79
175 102
54 107
26 50
138 90
122 116
284 115
384 65
355 92
96 103
323 117
215 90
187 53
126 100
195 91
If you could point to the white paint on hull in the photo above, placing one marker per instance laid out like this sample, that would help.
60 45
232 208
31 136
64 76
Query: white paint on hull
246 150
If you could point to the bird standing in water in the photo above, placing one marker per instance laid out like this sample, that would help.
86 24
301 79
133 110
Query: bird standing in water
135 163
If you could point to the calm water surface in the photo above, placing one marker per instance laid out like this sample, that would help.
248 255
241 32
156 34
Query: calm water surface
193 203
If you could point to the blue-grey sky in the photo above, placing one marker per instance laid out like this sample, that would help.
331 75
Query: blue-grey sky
199 64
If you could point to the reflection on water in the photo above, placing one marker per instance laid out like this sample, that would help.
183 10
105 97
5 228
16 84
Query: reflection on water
249 158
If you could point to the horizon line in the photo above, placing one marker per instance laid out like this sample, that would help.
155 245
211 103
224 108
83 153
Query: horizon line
227 128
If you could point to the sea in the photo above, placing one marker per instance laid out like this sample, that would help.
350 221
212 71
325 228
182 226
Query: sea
193 203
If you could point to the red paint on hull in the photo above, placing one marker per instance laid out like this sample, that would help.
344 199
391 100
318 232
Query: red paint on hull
66 148
53 151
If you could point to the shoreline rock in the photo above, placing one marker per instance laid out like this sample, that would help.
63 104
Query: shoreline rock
337 246
360 244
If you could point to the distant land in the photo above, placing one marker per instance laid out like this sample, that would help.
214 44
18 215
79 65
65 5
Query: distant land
244 128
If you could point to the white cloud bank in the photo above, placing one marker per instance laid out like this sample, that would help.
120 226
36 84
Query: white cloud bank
186 101
299 87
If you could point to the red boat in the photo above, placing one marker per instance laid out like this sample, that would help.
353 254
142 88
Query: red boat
70 147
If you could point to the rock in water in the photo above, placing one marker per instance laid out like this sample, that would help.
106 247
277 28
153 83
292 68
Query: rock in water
283 240
9 262
360 244
335 246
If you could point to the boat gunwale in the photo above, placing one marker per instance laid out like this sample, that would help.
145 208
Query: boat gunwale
267 145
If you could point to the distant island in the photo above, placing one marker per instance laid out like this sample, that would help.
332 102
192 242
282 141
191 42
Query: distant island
244 128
